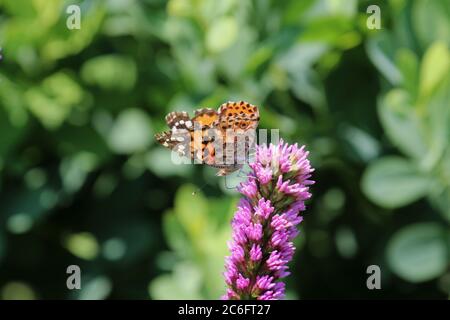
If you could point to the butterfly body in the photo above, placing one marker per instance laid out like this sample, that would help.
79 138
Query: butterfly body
213 137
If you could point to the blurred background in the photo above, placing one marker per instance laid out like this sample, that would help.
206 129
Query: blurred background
82 181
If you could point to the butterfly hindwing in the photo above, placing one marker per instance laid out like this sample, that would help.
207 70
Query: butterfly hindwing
164 138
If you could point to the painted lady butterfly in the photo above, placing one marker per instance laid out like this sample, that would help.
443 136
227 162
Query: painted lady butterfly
213 137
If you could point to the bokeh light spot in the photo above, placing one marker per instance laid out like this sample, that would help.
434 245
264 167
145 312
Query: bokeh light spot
19 223
16 290
83 245
114 249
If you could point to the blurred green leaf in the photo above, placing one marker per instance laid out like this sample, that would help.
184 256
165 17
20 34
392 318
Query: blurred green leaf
235 58
441 200
160 161
304 80
222 34
53 100
430 21
75 169
175 235
364 145
393 182
307 86
438 125
179 8
64 42
408 64
191 210
401 124
110 72
435 66
381 51
183 284
198 231
419 252
131 132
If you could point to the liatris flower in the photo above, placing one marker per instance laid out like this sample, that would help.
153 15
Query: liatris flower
264 224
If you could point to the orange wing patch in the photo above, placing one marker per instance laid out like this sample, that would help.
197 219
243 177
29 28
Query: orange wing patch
206 117
238 116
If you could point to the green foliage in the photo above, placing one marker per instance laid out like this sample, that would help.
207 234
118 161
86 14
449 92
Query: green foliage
416 119
414 113
110 72
82 181
419 252
394 182
198 241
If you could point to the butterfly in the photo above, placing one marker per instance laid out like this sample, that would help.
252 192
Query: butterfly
220 139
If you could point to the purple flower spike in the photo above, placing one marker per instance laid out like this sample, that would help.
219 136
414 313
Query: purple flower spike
265 222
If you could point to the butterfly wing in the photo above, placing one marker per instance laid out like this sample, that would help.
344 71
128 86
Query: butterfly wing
179 136
239 120
201 137
206 135
238 116
205 117
191 137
